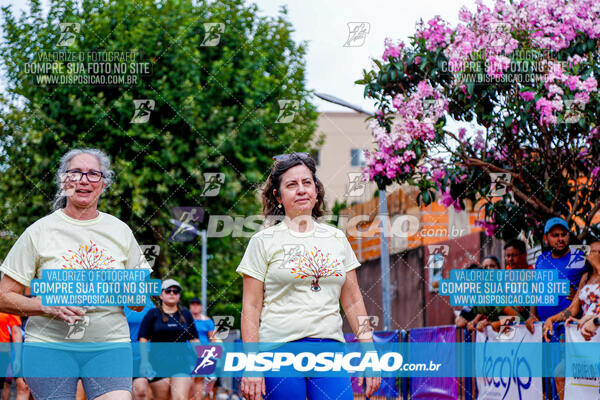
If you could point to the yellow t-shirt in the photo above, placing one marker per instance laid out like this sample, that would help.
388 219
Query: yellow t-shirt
60 242
303 274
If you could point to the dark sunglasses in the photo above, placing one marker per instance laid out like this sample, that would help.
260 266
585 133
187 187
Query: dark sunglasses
174 291
289 156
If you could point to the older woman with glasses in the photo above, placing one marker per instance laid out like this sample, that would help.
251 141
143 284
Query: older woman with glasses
75 236
279 307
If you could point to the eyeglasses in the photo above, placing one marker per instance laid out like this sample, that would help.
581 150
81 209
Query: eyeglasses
172 290
74 175
285 157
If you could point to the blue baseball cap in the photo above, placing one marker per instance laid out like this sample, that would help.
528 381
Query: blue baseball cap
552 222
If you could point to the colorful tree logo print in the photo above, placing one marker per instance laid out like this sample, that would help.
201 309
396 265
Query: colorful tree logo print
316 265
87 257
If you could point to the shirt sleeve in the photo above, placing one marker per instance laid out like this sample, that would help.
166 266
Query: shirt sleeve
135 256
254 262
14 320
350 260
22 260
147 325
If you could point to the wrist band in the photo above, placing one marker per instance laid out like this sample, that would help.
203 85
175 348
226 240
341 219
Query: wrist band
596 321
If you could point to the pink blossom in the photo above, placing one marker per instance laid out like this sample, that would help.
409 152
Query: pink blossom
489 227
479 143
546 109
461 178
436 34
497 65
581 98
555 90
392 50
409 155
447 201
464 14
590 84
572 82
438 175
528 95
425 89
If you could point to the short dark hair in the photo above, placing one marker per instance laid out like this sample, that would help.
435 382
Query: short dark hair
517 244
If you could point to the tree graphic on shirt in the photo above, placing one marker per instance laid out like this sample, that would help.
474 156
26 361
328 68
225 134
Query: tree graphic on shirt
317 265
87 257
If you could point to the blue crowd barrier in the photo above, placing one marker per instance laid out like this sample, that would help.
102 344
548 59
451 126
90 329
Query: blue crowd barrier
468 388
417 387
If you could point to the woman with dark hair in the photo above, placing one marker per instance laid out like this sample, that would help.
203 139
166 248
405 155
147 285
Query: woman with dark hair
279 307
167 323
490 262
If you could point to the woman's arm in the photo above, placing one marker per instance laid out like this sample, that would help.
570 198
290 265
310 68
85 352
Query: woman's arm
575 305
12 301
252 303
353 304
565 314
354 307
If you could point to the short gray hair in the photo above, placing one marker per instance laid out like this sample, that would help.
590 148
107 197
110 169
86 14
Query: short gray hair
60 199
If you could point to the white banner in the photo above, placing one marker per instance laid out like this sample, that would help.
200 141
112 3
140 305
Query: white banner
497 364
584 384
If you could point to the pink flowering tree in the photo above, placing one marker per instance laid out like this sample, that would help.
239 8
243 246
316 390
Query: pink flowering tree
520 79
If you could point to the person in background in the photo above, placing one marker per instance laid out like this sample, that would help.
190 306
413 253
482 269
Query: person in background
589 323
10 331
134 319
202 388
587 298
168 322
490 315
466 313
204 324
570 265
515 255
490 262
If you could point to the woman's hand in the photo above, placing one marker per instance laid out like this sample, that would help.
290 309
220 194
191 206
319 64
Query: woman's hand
583 320
471 326
529 323
482 324
253 388
146 370
69 314
547 330
570 320
588 329
372 383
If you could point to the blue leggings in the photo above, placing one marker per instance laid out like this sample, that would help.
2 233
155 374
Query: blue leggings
308 388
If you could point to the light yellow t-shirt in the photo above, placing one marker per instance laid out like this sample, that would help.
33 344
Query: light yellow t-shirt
60 242
303 274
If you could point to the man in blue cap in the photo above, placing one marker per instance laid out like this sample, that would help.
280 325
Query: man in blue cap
569 264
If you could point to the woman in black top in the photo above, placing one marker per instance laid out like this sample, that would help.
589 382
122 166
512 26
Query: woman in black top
168 323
